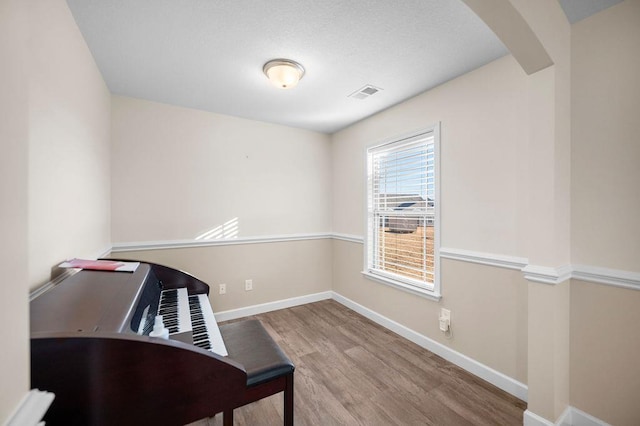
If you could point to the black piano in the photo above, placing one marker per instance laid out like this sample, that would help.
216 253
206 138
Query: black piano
90 346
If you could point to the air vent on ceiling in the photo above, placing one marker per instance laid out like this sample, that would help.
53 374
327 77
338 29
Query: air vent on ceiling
365 92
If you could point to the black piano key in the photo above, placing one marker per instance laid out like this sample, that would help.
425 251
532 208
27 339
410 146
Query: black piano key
168 308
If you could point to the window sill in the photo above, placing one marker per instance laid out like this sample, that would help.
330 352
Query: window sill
427 294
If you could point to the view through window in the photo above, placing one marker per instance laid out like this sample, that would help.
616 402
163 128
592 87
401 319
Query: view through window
402 200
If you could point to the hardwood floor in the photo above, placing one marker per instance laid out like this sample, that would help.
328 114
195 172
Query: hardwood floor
351 371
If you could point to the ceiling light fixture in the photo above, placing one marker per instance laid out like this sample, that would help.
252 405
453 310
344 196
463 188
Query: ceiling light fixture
283 73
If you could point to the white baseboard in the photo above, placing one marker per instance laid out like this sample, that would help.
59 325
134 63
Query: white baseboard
271 306
532 419
580 418
571 416
492 376
565 418
32 408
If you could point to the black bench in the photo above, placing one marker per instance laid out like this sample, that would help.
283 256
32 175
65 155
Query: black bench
269 370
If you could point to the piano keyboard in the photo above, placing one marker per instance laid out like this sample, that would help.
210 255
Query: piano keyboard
206 333
183 313
174 308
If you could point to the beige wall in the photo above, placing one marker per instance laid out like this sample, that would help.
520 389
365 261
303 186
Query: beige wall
483 121
488 308
548 348
54 127
279 270
178 173
605 343
605 149
14 133
69 125
605 340
483 117
547 225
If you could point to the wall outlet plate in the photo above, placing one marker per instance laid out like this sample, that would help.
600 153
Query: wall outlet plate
248 285
445 320
445 314
223 289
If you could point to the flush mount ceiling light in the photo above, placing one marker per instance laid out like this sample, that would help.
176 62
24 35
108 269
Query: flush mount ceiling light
283 73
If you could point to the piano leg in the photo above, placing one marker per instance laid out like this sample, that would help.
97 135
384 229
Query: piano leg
288 401
227 418
269 370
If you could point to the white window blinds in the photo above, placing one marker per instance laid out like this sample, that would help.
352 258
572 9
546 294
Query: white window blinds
401 210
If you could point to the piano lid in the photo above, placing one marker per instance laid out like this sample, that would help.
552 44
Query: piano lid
89 301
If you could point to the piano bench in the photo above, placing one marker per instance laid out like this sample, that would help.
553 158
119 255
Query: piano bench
269 370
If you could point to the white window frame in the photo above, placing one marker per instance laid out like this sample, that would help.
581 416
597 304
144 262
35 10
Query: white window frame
430 291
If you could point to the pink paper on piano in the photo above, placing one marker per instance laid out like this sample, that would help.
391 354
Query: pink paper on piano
101 265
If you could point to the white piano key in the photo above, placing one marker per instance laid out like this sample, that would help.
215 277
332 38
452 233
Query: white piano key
180 310
215 338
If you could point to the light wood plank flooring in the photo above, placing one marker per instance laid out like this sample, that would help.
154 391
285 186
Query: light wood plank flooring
351 371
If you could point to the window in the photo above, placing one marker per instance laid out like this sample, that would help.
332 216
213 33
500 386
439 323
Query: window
402 212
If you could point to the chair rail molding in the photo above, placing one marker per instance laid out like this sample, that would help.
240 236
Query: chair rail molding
547 274
535 273
612 277
489 259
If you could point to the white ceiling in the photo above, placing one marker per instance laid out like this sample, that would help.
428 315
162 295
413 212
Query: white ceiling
577 10
208 54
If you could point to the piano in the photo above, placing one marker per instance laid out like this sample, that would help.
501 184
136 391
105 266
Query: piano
91 347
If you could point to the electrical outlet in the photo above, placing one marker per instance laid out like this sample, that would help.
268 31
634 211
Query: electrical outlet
445 319
248 285
445 314
223 289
